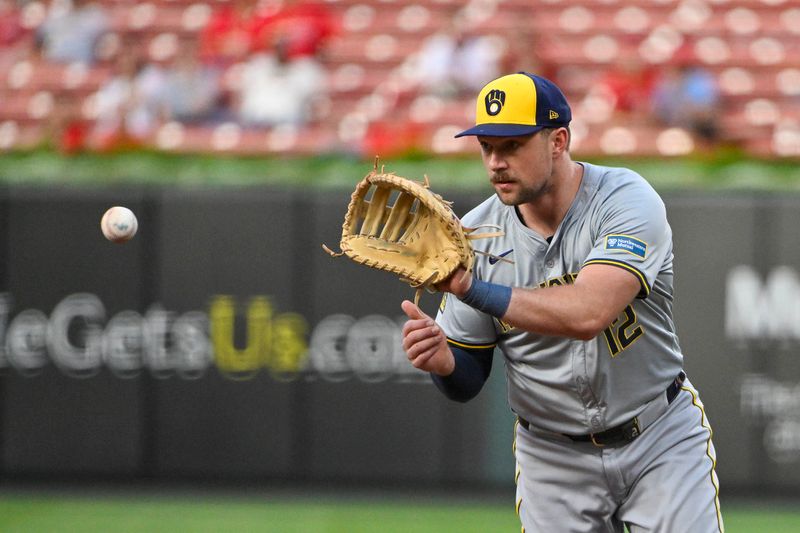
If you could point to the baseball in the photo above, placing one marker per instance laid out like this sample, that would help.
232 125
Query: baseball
119 224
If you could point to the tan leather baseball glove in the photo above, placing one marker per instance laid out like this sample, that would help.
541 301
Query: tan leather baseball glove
401 226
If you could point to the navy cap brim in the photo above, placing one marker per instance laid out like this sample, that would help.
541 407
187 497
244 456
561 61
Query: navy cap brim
501 130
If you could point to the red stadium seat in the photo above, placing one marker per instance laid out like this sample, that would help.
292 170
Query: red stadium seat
751 46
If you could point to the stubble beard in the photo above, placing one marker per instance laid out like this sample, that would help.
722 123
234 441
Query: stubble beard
523 195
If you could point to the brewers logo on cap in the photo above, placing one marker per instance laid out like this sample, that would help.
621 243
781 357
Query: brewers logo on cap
494 101
519 104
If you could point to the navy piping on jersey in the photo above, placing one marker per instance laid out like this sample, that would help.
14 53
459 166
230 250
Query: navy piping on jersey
645 292
469 346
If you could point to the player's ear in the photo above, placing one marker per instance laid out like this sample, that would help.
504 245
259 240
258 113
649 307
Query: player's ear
560 138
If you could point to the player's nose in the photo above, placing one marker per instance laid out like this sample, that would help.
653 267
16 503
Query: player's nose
496 162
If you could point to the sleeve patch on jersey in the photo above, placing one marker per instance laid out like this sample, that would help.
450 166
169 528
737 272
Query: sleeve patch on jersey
628 244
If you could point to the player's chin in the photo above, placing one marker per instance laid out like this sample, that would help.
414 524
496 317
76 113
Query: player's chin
506 193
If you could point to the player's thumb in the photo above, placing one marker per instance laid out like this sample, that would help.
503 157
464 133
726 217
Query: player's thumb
412 311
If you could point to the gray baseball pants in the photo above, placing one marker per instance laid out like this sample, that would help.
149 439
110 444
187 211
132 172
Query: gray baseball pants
663 481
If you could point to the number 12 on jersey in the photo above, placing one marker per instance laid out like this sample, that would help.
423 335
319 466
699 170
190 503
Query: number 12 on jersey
623 332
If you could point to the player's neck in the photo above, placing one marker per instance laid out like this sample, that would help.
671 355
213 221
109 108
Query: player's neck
545 214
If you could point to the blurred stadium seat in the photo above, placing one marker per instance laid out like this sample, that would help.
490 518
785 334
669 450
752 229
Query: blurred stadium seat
752 47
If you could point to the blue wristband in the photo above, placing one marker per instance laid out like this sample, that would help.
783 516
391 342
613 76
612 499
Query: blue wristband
491 298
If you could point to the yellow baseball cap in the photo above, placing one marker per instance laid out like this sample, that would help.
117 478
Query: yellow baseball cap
519 104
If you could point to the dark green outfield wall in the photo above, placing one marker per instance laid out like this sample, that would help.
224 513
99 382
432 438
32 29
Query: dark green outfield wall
223 343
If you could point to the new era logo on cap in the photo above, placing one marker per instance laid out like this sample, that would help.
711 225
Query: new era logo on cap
519 104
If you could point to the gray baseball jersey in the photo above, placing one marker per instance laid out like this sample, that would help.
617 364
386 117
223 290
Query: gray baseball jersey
567 385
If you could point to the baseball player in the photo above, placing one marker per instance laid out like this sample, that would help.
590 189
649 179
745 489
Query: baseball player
577 295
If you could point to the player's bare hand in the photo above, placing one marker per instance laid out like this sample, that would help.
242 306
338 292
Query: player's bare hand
457 284
425 343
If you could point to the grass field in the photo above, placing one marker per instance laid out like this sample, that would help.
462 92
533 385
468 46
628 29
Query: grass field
156 513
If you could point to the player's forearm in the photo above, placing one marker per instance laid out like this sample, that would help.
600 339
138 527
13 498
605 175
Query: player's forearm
468 376
581 310
564 311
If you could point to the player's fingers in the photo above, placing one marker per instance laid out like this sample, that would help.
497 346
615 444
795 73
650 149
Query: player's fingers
412 326
427 330
423 359
412 311
417 328
423 345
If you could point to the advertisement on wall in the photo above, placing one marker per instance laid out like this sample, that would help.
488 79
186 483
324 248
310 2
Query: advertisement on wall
216 342
737 314
762 316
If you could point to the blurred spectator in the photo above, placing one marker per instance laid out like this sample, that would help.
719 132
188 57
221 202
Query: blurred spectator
11 30
276 89
243 27
13 46
228 36
128 105
302 26
627 86
522 51
456 61
688 96
71 30
192 90
65 127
